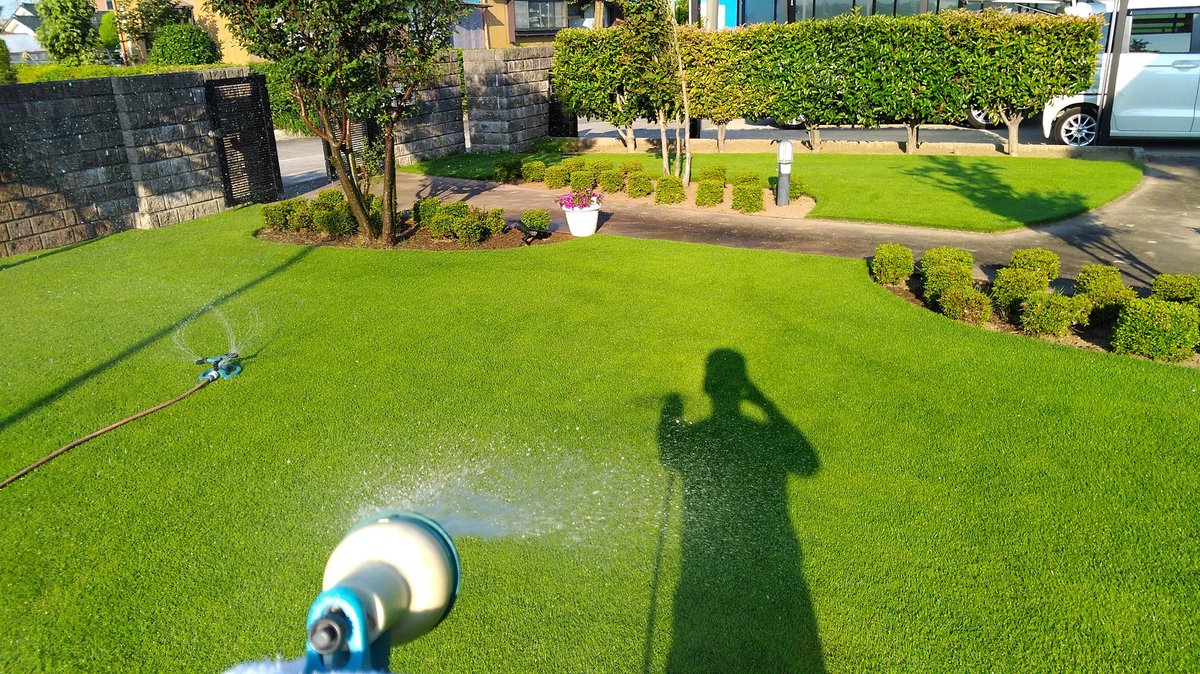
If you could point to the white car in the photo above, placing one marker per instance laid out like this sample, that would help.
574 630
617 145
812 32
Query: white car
1158 77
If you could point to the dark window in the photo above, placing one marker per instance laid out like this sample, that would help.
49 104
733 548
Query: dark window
1161 33
551 15
830 8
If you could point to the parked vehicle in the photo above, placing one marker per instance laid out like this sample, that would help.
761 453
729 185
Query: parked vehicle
1158 77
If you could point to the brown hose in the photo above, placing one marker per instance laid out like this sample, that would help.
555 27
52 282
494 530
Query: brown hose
91 436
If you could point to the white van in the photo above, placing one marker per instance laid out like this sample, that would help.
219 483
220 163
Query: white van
1158 77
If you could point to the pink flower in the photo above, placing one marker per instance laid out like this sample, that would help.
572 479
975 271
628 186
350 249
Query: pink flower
583 199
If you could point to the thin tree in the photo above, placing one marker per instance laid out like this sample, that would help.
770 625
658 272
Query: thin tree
67 31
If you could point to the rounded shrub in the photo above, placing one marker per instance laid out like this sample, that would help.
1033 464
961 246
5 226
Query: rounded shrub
946 255
748 178
710 192
632 166
537 218
1157 329
748 197
533 171
670 190
183 44
1013 286
300 217
442 225
573 164
329 200
640 184
598 167
507 170
470 231
275 216
714 172
582 180
965 303
425 208
892 264
557 176
336 222
936 281
494 222
1101 286
1177 288
1054 314
612 181
1041 259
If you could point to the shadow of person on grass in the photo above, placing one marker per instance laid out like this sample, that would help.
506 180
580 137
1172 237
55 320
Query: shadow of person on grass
742 604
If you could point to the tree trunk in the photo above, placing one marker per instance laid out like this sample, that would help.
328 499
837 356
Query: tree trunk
664 149
721 137
913 142
631 145
389 182
678 151
1013 122
814 136
354 197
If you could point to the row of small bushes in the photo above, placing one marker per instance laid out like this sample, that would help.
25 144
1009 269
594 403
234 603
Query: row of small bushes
1166 326
456 220
328 213
630 177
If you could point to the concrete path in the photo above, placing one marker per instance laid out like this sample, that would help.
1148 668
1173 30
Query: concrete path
1153 229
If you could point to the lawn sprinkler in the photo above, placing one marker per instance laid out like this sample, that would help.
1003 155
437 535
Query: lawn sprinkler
392 579
224 366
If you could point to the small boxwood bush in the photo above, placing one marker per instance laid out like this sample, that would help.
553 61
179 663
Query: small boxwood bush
1013 286
442 225
582 180
945 255
494 221
796 187
184 44
748 197
670 190
936 281
275 216
715 172
892 263
300 216
966 303
1157 329
612 181
1177 288
507 170
336 222
1041 259
1053 314
598 167
640 185
1101 286
424 209
632 166
710 192
329 200
533 171
573 164
557 176
537 218
749 178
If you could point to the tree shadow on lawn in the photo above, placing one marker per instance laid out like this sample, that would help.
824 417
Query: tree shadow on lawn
74 382
984 186
742 603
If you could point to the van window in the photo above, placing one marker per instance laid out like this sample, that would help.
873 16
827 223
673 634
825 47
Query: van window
1162 33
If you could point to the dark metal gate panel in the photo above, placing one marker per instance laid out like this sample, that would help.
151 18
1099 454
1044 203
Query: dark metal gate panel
362 136
563 122
241 119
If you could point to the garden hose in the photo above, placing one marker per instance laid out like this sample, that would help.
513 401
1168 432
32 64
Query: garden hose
224 366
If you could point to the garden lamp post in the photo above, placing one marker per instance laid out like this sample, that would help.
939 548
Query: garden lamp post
783 182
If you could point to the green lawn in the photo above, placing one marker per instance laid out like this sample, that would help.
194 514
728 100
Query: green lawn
907 493
980 194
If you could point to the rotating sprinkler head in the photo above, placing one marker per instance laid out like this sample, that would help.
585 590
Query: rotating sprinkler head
392 579
224 366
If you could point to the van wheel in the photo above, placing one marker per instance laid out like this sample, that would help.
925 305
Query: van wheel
1077 126
978 118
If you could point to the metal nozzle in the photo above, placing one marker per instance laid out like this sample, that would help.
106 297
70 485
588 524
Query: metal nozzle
328 634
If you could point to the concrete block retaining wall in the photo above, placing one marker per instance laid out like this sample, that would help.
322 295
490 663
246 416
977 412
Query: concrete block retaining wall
508 97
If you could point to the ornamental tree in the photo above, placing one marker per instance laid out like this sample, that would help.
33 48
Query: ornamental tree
67 31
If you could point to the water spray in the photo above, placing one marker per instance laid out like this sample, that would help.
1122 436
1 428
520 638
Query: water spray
392 579
224 366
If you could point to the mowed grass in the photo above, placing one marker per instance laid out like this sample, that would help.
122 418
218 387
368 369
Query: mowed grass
894 492
979 194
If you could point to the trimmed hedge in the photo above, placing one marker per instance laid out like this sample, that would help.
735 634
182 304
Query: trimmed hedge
945 255
892 263
1101 286
748 178
632 166
640 184
748 197
612 181
714 172
507 170
183 44
965 303
1013 286
424 209
937 280
582 181
533 171
537 218
1041 259
598 167
557 176
1157 329
670 190
710 192
1177 288
573 164
1054 314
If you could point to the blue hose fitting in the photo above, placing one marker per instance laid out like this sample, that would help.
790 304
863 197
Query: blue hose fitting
224 366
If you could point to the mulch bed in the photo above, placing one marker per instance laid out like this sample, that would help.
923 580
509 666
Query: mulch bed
1094 337
409 239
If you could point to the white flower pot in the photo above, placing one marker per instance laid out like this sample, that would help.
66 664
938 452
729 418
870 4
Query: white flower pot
583 221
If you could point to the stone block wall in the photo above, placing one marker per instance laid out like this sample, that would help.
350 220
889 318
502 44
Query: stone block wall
436 128
508 97
84 158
